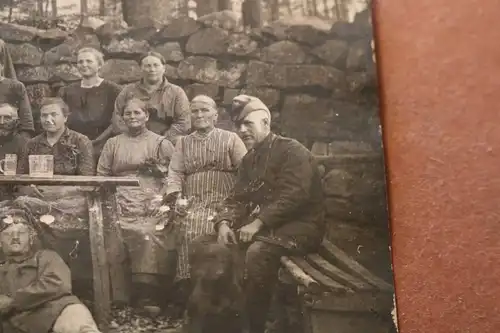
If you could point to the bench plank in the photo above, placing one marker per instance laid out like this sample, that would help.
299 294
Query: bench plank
300 276
317 275
336 273
329 250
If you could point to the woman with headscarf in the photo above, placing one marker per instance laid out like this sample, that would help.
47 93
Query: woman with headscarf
126 155
168 103
91 100
203 167
14 93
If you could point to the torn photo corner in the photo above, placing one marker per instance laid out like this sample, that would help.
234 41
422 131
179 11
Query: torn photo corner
311 66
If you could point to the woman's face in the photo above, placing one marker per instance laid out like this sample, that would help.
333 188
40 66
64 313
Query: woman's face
52 118
135 117
203 117
87 64
152 69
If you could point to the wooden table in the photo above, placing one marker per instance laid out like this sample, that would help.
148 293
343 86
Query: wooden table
105 244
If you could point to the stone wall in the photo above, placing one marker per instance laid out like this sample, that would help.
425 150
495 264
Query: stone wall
320 86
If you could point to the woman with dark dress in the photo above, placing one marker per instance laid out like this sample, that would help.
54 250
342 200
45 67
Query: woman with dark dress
91 101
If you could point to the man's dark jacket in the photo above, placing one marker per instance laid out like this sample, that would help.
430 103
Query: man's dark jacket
281 177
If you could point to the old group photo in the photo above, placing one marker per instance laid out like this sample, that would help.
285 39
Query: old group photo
192 166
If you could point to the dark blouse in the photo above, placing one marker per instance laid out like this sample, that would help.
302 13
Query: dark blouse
73 154
91 108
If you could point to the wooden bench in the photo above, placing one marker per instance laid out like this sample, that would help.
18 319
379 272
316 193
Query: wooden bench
337 294
105 243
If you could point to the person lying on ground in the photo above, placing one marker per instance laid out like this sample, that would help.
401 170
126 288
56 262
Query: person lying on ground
35 284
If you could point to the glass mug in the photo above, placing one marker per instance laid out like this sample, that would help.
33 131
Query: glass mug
8 165
41 165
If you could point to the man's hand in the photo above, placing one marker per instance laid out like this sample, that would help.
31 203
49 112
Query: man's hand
5 303
226 234
247 232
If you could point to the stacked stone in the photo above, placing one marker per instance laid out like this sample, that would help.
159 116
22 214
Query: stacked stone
319 84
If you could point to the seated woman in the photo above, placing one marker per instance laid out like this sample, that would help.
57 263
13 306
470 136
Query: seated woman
92 100
72 152
204 167
125 155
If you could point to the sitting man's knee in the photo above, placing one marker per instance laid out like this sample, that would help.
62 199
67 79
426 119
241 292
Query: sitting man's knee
75 318
257 251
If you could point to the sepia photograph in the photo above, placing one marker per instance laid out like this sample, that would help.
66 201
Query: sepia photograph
192 166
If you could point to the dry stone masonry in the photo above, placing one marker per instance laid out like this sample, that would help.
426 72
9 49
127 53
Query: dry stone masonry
320 85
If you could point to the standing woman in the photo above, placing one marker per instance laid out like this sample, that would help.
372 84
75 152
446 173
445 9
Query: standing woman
91 100
167 103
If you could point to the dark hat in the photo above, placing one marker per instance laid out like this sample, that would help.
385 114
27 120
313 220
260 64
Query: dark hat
243 105
13 216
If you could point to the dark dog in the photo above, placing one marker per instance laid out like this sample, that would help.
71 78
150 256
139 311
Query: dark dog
216 303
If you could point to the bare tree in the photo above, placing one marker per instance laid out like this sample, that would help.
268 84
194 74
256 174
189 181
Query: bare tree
84 8
39 6
102 7
274 8
204 7
224 5
251 11
147 13
53 5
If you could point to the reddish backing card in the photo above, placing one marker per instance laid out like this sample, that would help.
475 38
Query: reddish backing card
439 66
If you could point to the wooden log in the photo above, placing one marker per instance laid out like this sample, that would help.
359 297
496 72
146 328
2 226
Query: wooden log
336 273
300 276
317 275
329 250
59 180
115 248
102 302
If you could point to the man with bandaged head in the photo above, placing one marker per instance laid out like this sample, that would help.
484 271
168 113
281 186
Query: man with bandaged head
277 194
35 284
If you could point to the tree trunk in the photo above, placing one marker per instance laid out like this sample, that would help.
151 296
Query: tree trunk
288 5
274 6
252 13
53 4
102 8
39 6
204 7
225 5
147 13
325 9
84 8
11 7
314 8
